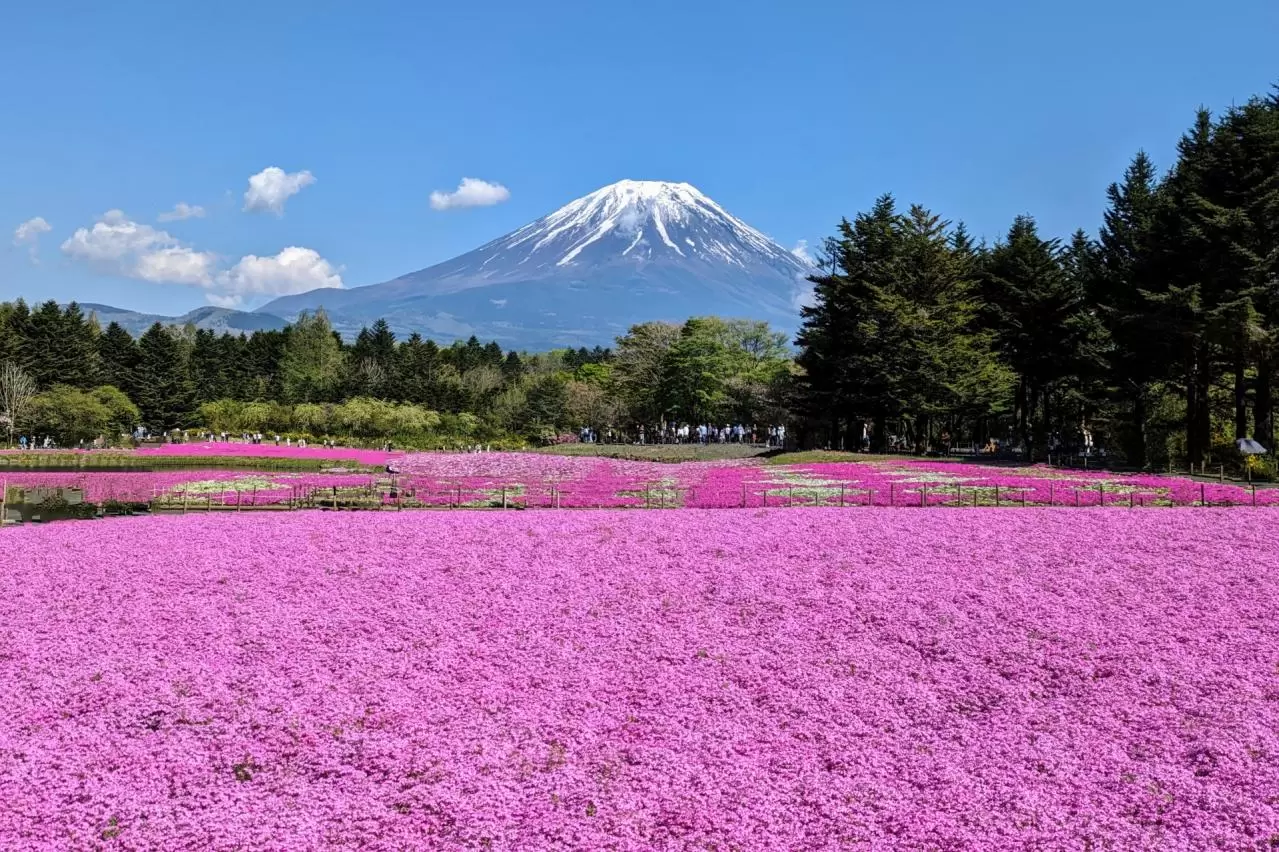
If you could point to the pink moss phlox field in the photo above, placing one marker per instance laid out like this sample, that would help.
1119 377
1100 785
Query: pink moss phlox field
754 680
537 480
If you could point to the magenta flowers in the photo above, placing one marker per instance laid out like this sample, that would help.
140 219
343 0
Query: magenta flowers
751 679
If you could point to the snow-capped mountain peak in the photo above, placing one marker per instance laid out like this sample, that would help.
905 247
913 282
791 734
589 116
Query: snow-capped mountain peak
642 220
627 252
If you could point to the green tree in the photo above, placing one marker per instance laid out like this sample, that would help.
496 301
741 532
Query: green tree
311 366
69 415
118 356
1038 314
639 368
122 414
164 393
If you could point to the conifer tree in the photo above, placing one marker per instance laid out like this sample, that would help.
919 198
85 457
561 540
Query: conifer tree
163 390
118 355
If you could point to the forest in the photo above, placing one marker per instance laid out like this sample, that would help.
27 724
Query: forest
305 381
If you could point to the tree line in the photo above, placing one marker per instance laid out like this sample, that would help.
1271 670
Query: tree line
306 380
1158 338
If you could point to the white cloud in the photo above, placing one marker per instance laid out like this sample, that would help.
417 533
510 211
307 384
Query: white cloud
471 192
176 265
220 301
801 252
501 303
181 211
802 294
293 270
28 234
270 188
117 245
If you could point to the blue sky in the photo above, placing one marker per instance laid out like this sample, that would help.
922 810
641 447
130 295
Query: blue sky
790 115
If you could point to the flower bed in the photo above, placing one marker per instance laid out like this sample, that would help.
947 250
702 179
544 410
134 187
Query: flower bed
628 680
542 481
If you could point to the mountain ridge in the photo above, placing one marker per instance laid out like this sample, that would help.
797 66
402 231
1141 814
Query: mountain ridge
583 274
208 317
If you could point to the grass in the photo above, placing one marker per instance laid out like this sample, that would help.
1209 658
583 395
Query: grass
658 452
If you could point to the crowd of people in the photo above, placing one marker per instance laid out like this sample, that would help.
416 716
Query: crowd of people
34 443
685 433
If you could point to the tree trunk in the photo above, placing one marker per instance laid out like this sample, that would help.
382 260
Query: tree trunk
1203 415
1263 429
1194 452
1019 406
1030 422
877 438
1138 454
1241 398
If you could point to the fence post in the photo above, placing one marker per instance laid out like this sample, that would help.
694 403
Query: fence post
743 495
1050 492
503 496
891 489
1254 496
923 496
841 495
1202 500
790 497
1101 495
996 496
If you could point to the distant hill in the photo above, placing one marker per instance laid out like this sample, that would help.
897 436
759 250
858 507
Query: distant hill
629 252
217 320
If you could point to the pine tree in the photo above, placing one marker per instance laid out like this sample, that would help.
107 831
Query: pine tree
512 367
46 343
1119 290
1263 207
118 355
79 365
847 335
1037 313
165 395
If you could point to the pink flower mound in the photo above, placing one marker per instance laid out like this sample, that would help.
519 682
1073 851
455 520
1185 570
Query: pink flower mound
577 481
216 448
752 679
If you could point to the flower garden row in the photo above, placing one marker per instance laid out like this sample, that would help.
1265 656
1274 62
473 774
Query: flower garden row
535 480
762 680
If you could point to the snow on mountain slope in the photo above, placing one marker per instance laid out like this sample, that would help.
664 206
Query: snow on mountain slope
629 252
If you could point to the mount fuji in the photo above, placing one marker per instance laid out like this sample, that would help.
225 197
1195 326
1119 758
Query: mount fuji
630 252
